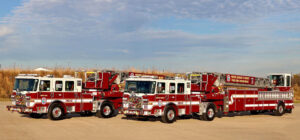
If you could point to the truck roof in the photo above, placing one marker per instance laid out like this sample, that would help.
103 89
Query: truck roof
46 77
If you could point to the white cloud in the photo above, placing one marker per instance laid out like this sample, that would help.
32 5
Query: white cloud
4 31
294 39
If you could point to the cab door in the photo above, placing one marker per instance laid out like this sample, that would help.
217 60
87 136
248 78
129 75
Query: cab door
172 92
45 92
161 95
182 99
70 96
57 93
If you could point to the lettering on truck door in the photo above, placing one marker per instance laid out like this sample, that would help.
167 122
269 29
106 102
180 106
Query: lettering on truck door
161 95
172 92
45 92
57 92
181 99
70 96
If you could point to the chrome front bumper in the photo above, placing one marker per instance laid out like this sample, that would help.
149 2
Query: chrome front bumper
20 109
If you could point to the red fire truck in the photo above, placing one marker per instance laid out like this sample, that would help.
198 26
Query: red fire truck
56 97
206 94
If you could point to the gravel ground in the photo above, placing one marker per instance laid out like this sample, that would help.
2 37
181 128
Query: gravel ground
264 126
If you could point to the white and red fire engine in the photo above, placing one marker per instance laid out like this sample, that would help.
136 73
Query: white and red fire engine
56 97
206 94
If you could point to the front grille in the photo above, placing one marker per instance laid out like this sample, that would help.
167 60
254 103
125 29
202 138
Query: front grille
20 99
135 102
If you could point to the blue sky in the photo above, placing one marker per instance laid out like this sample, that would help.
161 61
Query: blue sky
252 37
7 6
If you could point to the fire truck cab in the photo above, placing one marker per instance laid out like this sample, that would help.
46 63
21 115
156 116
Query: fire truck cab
283 81
41 95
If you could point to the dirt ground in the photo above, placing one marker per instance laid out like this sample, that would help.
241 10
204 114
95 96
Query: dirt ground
265 126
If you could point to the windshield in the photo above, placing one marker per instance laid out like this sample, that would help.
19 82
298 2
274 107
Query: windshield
140 86
26 84
278 80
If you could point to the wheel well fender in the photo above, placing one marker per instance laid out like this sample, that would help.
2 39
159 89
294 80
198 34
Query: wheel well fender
59 102
172 105
106 102
205 105
213 105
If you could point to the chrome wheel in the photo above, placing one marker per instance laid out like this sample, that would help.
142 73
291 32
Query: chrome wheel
57 112
106 110
171 114
280 109
210 113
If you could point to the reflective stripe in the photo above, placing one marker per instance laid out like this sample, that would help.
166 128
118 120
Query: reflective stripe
259 105
66 100
241 96
289 104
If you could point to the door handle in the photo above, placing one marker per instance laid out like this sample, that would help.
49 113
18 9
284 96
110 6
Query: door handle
186 97
167 97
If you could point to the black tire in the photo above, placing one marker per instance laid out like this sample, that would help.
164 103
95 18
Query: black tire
264 111
169 115
86 113
280 109
129 116
56 112
254 112
289 110
35 115
210 113
106 111
143 118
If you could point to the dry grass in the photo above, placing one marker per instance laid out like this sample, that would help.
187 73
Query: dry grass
4 99
297 92
296 86
296 101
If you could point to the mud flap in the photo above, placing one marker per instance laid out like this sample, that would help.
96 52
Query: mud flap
226 104
202 108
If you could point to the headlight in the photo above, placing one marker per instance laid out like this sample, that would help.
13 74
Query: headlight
145 101
28 98
27 104
12 97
